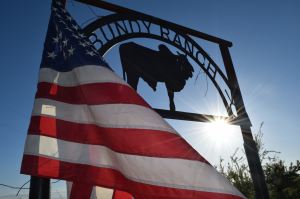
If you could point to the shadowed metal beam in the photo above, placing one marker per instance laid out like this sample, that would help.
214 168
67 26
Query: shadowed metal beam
178 115
189 31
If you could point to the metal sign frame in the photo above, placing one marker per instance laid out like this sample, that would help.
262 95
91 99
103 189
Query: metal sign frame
186 44
37 188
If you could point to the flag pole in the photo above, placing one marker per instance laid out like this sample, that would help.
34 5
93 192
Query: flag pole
40 188
63 2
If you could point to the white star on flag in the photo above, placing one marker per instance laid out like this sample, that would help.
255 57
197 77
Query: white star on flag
95 50
62 22
52 55
88 43
65 42
56 27
102 58
64 10
90 53
75 27
81 35
64 55
55 39
57 15
71 51
60 34
69 29
69 18
82 44
75 36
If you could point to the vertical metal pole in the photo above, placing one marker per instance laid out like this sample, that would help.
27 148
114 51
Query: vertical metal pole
63 2
258 178
40 188
254 163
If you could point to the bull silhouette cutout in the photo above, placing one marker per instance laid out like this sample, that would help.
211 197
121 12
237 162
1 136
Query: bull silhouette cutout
155 66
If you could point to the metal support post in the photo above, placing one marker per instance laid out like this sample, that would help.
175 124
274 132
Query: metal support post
63 2
254 163
40 188
258 178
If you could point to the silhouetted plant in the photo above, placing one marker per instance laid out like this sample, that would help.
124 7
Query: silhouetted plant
282 182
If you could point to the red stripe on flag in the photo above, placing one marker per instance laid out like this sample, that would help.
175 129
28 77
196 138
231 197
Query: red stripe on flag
145 142
41 166
80 191
53 90
121 195
112 179
91 94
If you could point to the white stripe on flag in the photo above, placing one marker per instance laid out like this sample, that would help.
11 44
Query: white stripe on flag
166 172
79 76
106 115
96 193
69 189
102 193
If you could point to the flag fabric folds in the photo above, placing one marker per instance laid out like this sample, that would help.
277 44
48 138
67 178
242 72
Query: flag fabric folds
89 127
79 191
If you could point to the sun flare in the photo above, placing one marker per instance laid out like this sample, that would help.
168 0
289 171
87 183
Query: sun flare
220 131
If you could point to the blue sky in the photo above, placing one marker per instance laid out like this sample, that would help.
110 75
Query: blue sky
265 54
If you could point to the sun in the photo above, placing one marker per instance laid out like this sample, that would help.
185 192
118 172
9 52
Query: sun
217 127
219 131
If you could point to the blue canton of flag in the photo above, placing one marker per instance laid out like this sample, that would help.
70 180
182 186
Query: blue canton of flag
66 47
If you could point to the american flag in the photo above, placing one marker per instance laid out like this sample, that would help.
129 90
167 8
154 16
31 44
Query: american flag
90 128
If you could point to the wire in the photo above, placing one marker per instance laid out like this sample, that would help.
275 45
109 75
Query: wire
14 110
92 10
12 129
59 195
198 75
97 16
87 21
22 187
12 187
71 2
206 86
